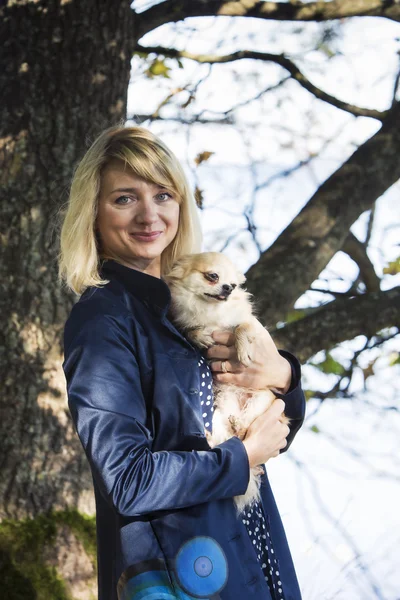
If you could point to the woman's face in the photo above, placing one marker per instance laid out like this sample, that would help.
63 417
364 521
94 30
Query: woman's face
136 220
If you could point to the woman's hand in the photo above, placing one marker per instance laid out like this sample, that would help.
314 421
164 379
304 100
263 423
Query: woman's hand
268 368
266 435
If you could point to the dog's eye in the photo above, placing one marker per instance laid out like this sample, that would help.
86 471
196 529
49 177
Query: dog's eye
212 277
233 285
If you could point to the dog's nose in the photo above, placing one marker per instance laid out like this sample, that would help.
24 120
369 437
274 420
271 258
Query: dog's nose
227 289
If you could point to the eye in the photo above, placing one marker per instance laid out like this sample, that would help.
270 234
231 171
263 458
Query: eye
233 285
165 194
122 200
213 277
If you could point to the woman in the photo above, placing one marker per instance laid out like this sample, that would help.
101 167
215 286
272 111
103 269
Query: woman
166 521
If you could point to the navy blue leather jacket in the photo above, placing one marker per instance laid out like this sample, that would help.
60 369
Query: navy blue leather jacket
163 497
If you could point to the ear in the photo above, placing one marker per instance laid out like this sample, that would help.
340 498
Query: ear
180 269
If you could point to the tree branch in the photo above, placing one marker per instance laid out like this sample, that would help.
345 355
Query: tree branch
278 59
177 10
288 268
365 314
396 87
140 118
358 252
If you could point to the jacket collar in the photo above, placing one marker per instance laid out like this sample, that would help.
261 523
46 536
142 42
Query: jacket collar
149 289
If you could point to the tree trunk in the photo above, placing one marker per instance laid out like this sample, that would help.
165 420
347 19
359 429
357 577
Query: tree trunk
64 73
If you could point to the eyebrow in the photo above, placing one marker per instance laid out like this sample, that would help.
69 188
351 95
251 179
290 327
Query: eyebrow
135 189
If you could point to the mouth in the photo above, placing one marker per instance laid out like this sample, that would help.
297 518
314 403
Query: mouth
220 297
145 236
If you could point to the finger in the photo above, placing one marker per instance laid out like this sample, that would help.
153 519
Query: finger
222 352
230 366
233 378
278 406
223 337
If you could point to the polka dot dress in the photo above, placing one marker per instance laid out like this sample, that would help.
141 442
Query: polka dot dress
257 528
253 518
206 394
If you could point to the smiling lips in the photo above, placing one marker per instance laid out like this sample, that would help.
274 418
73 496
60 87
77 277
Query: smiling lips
146 237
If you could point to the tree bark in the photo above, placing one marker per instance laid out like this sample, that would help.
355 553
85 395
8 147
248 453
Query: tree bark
340 320
64 73
287 269
176 10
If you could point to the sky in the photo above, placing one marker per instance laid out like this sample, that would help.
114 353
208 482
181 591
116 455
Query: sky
338 489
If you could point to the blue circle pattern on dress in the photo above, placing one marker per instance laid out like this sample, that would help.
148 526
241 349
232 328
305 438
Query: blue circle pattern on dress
253 518
201 567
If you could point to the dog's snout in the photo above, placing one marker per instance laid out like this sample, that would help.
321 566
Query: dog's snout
227 288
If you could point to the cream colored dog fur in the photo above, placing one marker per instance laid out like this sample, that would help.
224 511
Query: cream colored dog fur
206 296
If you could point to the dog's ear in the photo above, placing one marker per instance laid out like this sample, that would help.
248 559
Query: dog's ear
180 268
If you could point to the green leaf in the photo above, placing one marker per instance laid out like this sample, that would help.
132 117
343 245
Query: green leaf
326 50
330 366
158 68
393 268
315 429
202 157
295 315
309 394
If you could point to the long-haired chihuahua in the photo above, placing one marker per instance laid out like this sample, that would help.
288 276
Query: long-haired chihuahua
207 295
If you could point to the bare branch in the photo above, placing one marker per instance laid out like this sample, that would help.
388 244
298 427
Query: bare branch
257 96
288 268
396 85
177 10
365 314
358 252
140 118
370 224
278 59
349 294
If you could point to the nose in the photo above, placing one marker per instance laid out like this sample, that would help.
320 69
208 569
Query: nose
147 211
227 289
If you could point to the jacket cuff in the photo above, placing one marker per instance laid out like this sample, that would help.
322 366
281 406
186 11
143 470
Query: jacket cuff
295 402
294 397
296 370
240 464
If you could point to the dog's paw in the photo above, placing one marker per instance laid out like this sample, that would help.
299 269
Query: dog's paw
244 356
234 423
241 433
200 339
244 337
237 428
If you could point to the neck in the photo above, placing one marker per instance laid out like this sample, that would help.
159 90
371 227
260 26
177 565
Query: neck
148 266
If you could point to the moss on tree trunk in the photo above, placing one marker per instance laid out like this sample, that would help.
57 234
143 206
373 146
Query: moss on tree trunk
33 557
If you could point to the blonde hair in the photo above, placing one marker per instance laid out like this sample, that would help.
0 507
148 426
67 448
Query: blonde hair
150 159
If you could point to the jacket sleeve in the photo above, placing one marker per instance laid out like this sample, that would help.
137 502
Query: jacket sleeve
109 412
295 402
